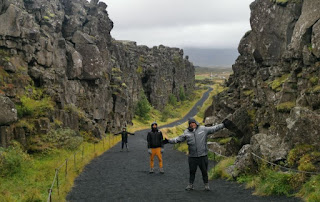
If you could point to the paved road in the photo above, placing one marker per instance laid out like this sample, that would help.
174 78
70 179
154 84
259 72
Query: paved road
123 176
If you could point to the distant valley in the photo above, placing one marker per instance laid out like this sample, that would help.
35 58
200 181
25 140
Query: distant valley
212 57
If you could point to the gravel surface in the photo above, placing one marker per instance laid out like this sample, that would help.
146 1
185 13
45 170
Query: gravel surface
124 176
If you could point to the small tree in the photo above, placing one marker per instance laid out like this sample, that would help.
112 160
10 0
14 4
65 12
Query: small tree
143 107
172 100
182 94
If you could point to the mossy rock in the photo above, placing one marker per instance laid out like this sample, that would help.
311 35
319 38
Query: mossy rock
285 107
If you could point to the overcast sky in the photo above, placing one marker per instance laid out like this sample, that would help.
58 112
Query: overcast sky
180 23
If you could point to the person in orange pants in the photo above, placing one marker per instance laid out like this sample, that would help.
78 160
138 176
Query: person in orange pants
155 147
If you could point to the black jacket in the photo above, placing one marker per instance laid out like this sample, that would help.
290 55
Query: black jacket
155 139
124 135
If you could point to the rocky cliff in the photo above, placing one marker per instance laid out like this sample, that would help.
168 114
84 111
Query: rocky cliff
274 94
61 68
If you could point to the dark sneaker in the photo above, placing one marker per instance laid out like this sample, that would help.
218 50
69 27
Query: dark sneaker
161 171
189 187
206 187
151 171
121 150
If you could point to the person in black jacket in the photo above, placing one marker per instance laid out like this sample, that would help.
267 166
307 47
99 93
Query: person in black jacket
155 146
124 135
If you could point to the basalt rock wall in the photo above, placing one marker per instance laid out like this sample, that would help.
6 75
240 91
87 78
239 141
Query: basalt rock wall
61 68
274 94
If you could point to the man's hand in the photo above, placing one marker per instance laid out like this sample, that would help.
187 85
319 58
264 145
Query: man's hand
162 150
149 151
228 124
165 141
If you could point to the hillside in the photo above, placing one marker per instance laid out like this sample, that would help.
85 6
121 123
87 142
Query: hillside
273 96
61 68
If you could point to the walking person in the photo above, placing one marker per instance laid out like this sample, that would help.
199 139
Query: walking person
155 147
196 137
124 137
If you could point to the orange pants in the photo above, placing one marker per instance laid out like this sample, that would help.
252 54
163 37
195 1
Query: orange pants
156 152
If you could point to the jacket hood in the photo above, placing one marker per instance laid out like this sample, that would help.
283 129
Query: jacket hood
154 123
192 120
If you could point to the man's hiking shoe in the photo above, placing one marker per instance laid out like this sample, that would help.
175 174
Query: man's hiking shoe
206 187
189 187
151 171
161 171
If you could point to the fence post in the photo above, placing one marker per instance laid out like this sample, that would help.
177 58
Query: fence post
66 168
103 143
50 191
74 157
82 152
57 171
214 160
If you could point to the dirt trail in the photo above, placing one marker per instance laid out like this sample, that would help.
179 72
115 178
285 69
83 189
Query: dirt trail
123 176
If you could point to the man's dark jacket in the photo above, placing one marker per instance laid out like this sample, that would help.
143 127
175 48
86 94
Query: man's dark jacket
154 138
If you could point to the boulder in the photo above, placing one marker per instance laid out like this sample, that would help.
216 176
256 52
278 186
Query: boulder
244 162
270 147
8 111
303 127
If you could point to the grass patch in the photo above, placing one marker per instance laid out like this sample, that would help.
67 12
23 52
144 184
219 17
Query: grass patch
35 175
311 190
219 171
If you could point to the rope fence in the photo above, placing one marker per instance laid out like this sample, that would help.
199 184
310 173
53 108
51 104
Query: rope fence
280 166
283 167
75 159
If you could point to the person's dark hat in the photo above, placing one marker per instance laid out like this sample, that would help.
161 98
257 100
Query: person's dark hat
192 120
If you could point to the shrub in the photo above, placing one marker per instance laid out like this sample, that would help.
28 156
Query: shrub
182 94
296 153
64 138
35 108
308 162
172 100
168 112
12 159
143 107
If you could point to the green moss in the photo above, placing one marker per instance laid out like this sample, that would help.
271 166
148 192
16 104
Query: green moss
34 108
285 107
124 85
26 123
314 80
46 18
296 153
315 89
281 1
277 83
248 92
308 162
139 70
252 114
71 108
116 70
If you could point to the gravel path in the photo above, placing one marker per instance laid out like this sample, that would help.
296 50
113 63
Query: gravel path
124 176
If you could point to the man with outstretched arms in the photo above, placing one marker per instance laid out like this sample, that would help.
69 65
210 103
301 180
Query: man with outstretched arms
196 137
